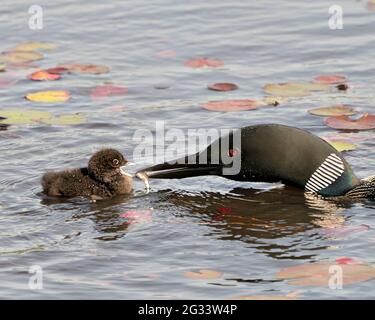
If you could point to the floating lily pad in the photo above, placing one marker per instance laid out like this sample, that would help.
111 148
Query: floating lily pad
204 274
337 110
43 76
290 296
273 101
344 232
223 86
294 89
203 62
32 46
57 70
20 56
84 68
166 54
137 216
49 96
342 145
67 119
231 105
5 83
330 79
107 90
27 116
317 274
24 116
366 122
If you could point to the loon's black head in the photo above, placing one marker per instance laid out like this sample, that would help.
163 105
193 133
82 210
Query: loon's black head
267 153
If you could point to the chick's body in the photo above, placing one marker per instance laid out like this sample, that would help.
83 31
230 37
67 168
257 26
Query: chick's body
102 178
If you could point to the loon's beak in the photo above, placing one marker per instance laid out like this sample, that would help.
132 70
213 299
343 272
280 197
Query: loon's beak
181 168
122 170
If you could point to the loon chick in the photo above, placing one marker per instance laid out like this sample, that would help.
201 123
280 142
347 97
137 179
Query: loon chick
103 178
272 153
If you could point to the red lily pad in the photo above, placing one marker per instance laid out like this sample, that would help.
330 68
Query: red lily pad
366 122
5 83
166 54
223 86
344 232
203 62
231 105
57 70
84 68
330 79
107 90
44 75
137 216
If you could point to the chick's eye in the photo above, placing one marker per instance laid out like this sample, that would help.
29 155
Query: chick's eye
115 162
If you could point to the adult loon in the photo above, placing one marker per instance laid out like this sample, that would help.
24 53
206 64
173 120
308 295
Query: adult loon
272 153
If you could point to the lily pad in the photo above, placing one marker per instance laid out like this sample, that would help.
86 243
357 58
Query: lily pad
57 70
84 68
223 86
137 216
108 90
49 96
32 46
24 116
290 296
67 119
342 145
203 62
366 122
337 110
20 56
317 274
294 89
27 116
231 105
204 274
344 232
330 79
166 54
43 76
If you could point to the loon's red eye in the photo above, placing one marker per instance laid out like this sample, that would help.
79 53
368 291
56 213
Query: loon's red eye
232 153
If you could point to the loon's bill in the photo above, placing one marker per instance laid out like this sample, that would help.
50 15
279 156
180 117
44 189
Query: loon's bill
272 153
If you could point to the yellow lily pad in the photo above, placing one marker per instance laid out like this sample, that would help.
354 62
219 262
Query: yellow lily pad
337 110
342 145
49 96
20 56
24 116
204 274
67 119
34 45
294 89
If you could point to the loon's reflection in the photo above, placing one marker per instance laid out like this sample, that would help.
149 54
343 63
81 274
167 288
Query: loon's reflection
275 221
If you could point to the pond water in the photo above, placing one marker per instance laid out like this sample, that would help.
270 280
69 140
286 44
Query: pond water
243 232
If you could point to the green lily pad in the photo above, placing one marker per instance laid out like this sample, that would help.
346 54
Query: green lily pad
25 116
67 119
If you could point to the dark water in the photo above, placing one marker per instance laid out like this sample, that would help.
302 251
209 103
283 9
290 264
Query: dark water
246 231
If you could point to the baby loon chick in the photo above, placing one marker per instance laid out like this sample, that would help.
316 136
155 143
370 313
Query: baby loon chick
103 178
